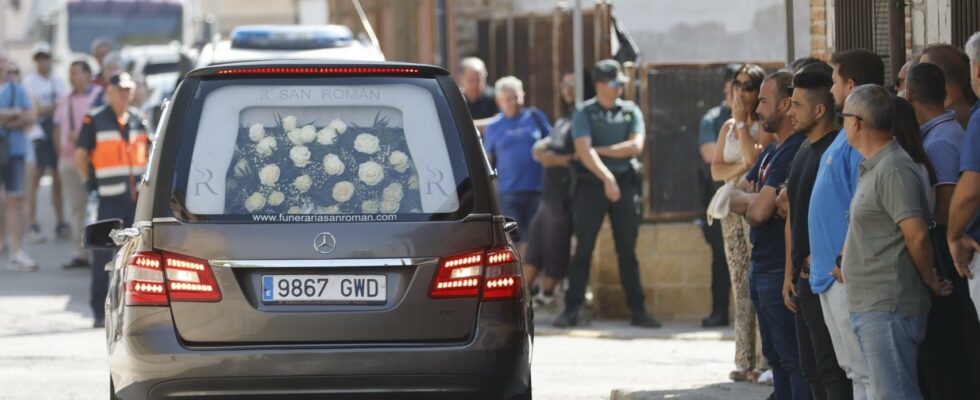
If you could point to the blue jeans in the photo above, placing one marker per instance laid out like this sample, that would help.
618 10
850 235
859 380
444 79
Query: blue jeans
777 326
890 342
520 206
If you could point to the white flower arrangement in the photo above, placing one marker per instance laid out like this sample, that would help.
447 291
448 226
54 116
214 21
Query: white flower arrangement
256 132
307 134
398 161
266 146
338 126
255 202
389 206
326 136
343 191
269 174
300 156
393 193
368 171
303 183
371 173
370 207
276 198
289 123
295 136
332 165
366 143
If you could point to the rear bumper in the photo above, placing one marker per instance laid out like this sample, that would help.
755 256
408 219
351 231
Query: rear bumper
147 361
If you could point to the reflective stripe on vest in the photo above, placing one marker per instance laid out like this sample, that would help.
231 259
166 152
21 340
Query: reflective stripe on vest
117 161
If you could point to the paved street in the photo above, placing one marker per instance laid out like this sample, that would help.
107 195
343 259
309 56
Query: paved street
49 351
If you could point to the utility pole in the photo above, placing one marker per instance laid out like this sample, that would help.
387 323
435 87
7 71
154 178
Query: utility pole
578 52
790 33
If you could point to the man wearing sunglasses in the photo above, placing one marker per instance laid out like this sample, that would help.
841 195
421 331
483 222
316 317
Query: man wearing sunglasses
609 135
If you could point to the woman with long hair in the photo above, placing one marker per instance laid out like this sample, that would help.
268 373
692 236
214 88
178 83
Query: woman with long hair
740 141
907 133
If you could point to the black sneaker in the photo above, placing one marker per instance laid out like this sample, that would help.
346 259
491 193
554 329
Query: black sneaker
62 231
715 320
566 319
644 321
77 262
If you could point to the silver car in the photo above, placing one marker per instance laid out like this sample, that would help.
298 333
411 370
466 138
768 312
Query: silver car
316 231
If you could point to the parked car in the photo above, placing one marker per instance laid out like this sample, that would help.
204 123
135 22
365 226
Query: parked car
312 230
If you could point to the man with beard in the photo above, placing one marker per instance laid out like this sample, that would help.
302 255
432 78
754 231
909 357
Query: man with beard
812 114
756 199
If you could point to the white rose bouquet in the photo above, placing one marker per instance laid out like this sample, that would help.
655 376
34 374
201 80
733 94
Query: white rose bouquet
335 167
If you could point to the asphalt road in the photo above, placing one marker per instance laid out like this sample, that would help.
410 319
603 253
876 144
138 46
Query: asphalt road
48 349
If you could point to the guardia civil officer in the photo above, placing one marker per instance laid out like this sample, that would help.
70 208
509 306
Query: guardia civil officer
609 135
110 155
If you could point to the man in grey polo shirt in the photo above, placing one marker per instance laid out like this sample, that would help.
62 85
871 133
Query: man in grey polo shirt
888 256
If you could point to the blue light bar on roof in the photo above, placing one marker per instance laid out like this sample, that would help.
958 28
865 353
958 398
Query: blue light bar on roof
286 37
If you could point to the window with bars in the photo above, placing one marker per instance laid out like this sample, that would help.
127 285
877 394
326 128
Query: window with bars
965 20
864 24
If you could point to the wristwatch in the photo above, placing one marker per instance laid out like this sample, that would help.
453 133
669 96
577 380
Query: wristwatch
839 260
740 125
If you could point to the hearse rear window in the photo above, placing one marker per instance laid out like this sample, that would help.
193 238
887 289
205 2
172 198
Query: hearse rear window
310 152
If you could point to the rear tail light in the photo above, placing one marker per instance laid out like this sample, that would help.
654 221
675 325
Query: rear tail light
144 280
497 272
503 276
155 279
458 276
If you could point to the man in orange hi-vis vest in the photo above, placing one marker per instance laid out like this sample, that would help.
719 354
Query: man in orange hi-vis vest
110 155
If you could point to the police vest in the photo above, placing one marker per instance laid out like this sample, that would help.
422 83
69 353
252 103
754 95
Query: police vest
118 162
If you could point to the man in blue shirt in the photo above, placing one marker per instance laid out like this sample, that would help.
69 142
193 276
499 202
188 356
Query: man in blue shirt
945 365
832 191
963 230
756 199
609 136
16 115
508 141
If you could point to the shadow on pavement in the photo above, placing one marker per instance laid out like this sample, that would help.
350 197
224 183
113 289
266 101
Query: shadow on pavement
721 391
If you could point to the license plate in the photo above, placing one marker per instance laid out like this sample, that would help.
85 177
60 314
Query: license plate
325 289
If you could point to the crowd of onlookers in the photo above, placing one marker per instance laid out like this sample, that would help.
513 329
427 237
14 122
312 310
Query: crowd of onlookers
87 136
847 211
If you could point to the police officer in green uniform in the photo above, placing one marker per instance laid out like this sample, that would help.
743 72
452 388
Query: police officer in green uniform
609 135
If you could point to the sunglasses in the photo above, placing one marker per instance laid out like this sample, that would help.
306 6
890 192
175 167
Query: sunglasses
843 115
744 85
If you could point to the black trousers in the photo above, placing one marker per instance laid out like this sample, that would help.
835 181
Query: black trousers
720 280
949 357
817 358
589 207
99 286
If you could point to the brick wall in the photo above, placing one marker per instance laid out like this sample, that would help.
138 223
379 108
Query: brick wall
675 266
818 29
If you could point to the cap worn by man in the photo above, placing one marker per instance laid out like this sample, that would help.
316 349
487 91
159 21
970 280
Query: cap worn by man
122 80
609 70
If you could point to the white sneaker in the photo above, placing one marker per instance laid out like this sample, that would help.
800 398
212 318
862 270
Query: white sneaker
21 262
34 235
542 299
765 378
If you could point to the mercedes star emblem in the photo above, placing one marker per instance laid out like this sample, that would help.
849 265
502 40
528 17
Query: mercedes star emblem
325 243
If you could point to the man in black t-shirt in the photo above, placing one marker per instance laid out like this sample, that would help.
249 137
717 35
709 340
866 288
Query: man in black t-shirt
812 114
756 199
479 99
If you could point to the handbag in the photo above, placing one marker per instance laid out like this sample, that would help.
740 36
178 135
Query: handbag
718 207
